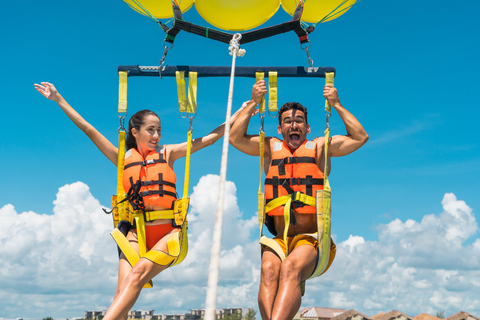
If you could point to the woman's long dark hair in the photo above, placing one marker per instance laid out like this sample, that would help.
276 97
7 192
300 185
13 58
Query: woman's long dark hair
136 121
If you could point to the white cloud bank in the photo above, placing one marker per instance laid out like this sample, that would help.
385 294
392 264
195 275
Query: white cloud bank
63 264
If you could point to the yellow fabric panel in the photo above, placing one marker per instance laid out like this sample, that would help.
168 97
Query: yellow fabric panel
180 210
160 9
127 249
142 243
159 257
182 95
259 75
122 91
156 215
316 10
183 238
272 91
236 15
192 92
272 244
173 245
324 231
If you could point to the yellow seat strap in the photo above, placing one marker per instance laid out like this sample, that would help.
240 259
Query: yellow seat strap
161 214
128 250
298 196
272 92
192 92
122 91
259 75
182 94
324 209
261 195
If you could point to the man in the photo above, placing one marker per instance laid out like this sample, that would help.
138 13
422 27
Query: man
279 295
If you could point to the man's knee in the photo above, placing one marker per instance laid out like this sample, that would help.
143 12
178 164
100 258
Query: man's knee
289 270
270 271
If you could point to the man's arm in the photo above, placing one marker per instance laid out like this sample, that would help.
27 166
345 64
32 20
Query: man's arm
356 135
239 138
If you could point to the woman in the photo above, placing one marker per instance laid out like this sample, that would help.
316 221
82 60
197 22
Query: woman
142 140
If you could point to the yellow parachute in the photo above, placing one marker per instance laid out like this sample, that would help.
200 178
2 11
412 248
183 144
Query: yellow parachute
238 15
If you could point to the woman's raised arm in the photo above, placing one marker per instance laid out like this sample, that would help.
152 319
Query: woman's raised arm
49 91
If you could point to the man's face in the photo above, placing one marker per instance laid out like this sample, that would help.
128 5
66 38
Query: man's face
293 128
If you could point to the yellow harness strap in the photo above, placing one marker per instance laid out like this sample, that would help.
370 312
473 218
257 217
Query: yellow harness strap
259 75
187 105
177 244
122 91
322 201
272 91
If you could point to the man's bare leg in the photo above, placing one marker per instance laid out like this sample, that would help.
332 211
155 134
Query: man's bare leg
268 283
297 267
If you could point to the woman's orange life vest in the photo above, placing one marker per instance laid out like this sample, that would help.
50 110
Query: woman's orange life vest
289 173
149 181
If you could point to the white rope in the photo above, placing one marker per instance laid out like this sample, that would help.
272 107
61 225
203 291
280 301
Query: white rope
210 302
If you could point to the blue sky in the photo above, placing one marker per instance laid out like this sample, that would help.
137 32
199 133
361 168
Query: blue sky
406 69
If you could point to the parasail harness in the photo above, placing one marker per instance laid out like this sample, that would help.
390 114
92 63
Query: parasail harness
127 210
321 200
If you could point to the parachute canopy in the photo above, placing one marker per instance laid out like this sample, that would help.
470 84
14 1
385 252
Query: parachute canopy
238 15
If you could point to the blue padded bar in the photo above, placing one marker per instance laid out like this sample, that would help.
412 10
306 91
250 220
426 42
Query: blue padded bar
224 71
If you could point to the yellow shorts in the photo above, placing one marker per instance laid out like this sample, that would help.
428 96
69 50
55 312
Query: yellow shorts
300 240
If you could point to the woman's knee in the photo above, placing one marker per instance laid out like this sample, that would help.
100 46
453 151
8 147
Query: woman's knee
137 277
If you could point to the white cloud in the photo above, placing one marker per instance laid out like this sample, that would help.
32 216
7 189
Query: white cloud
63 264
414 267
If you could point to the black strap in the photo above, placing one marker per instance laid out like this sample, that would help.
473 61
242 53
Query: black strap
225 37
290 160
144 163
159 192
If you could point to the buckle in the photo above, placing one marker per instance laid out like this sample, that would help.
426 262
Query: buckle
290 160
294 196
294 181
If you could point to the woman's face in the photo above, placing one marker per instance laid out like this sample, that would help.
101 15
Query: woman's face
149 134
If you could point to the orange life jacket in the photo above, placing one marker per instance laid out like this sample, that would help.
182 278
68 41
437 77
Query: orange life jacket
149 181
289 173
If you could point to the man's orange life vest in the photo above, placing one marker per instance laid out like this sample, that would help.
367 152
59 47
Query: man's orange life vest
289 173
149 181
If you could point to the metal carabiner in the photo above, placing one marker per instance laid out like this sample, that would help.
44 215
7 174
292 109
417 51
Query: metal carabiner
310 61
162 61
122 121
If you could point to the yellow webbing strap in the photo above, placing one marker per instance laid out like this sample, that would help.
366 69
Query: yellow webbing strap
122 92
156 215
192 92
141 237
259 75
272 91
298 196
187 163
324 199
182 94
187 105
261 195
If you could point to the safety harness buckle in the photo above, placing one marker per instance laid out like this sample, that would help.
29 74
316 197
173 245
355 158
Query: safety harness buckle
294 181
180 209
291 160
